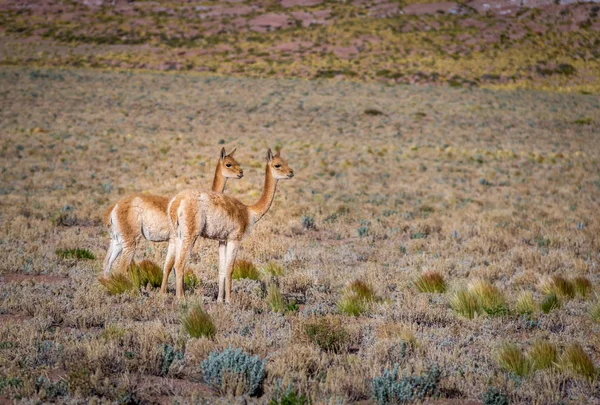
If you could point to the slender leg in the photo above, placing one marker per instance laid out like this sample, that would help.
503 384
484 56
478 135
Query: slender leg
232 248
113 252
169 262
128 252
183 248
222 270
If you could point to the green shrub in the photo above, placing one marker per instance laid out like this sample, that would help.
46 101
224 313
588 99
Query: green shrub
430 282
245 269
289 397
198 323
144 273
494 397
511 359
169 355
234 372
327 333
582 286
390 389
542 355
116 283
549 303
75 254
576 360
190 281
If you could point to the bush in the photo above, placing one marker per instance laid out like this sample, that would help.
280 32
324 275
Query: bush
245 269
525 304
389 389
575 359
116 283
494 397
169 354
542 355
430 282
549 303
582 286
327 333
75 254
234 372
511 359
198 323
144 273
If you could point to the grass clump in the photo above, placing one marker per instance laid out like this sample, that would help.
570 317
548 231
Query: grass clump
465 303
490 298
511 359
245 269
389 388
575 359
190 281
431 282
559 286
144 273
289 397
273 269
116 283
582 286
327 333
275 299
233 371
595 311
357 297
542 355
525 304
550 302
197 323
76 253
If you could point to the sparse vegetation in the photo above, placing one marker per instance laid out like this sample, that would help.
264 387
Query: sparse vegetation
116 283
198 323
356 298
273 269
582 286
511 359
327 333
275 299
576 360
76 253
431 282
234 372
245 269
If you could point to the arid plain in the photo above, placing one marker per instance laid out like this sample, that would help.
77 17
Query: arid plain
390 182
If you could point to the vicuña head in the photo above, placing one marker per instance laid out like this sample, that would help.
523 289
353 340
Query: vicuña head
217 216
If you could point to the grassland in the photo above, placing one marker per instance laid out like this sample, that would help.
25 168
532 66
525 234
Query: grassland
473 184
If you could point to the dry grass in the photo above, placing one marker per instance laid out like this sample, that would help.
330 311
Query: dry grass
145 273
576 360
511 359
542 355
116 283
245 269
465 303
431 282
273 269
558 285
595 311
275 299
525 304
356 298
197 323
490 298
550 302
582 286
75 141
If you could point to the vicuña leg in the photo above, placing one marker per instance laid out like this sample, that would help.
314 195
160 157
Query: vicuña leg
222 270
232 248
183 248
128 252
169 263
114 251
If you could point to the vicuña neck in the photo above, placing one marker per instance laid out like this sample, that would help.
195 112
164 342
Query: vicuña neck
219 181
266 199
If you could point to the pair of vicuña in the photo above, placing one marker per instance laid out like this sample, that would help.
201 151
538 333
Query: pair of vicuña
190 214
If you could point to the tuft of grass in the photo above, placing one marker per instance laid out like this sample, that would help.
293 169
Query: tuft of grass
357 297
542 355
595 311
289 397
116 283
190 281
490 298
76 253
511 359
275 299
576 360
525 304
144 273
430 282
327 333
559 286
582 286
465 303
373 111
308 223
245 269
550 302
198 323
273 269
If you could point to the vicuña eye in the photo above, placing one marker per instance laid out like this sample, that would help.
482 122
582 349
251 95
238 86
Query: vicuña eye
277 166
228 165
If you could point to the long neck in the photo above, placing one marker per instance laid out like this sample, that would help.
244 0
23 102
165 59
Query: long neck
219 181
263 204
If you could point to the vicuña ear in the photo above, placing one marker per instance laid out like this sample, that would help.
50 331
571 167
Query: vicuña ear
269 155
223 153
232 152
278 152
